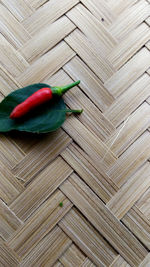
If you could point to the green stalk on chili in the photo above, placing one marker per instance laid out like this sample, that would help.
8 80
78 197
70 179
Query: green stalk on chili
40 97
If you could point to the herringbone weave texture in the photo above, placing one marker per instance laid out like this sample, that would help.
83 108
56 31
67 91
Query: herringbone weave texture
98 163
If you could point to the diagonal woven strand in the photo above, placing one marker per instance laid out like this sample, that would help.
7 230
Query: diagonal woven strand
125 122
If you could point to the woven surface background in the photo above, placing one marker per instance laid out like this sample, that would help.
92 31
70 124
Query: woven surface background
98 163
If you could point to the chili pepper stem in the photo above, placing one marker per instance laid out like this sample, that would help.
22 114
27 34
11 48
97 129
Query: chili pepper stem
75 110
79 111
63 89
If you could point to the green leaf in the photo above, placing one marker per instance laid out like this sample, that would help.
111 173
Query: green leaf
46 118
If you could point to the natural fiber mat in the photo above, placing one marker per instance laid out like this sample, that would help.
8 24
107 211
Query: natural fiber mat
97 165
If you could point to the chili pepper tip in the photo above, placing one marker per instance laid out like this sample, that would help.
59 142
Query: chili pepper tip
80 111
65 88
60 90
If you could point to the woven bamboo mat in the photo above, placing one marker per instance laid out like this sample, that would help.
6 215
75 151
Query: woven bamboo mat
98 163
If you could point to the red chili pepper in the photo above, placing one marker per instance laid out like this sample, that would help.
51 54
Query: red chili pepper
39 97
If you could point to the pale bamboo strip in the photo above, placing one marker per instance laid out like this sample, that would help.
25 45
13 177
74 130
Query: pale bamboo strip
43 41
9 80
88 263
108 225
144 204
41 188
11 59
37 227
36 3
7 191
148 45
87 238
138 225
100 169
148 20
6 84
92 56
126 103
129 19
92 118
100 10
14 32
94 147
100 183
58 264
48 13
137 123
7 256
10 188
48 64
130 192
19 8
146 261
48 250
41 155
9 222
129 46
128 74
119 262
130 160
117 7
101 39
10 155
5 172
72 257
148 71
90 83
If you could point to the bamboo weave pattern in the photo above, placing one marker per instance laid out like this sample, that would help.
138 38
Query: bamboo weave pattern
98 163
